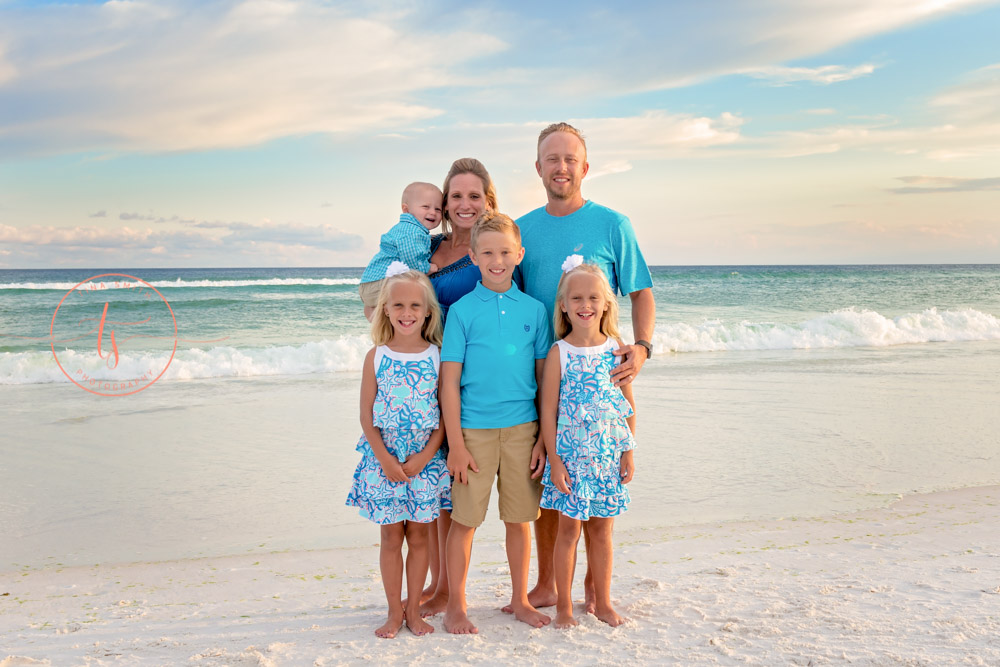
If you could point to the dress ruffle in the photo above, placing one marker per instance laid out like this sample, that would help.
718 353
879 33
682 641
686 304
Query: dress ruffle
591 435
406 412
385 502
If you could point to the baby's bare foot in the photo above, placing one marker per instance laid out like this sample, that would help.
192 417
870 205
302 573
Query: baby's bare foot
434 606
389 629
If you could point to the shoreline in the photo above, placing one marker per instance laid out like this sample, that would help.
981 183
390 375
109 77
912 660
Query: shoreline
917 582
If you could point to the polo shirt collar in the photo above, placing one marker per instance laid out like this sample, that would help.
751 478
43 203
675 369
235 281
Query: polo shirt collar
485 293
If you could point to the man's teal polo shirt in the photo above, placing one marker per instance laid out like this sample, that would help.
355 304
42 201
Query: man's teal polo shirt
497 337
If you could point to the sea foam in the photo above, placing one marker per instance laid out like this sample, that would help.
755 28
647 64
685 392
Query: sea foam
843 328
840 329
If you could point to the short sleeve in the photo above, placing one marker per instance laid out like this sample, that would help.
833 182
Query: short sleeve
543 335
630 265
414 247
455 338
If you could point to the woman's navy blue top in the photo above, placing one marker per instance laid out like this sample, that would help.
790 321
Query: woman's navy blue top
454 281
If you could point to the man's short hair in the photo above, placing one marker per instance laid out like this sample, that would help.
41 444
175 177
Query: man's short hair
494 221
561 127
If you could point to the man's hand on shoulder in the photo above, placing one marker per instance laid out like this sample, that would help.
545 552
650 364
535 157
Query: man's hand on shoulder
633 357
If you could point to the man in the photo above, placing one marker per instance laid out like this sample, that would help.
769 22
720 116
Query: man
569 224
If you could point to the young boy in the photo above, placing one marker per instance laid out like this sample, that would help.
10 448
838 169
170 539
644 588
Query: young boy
495 341
408 241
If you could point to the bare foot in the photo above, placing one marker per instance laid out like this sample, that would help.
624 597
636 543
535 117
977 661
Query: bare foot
589 598
434 606
389 629
418 626
458 623
610 616
538 597
531 616
564 621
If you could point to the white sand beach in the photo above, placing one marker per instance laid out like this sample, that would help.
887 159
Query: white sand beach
917 583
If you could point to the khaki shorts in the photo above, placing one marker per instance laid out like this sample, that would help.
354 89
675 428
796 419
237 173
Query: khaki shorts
369 292
503 454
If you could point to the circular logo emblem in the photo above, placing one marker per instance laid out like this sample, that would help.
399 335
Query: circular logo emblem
113 334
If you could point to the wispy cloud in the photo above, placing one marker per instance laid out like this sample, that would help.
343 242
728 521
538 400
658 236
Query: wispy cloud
659 133
242 241
930 184
976 99
827 74
166 77
181 76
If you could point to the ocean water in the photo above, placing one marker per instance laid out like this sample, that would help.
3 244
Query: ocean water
775 392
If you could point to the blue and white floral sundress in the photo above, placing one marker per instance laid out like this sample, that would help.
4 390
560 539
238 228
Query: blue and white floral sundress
406 412
591 434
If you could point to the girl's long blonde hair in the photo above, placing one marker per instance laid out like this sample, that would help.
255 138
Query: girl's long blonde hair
431 331
609 319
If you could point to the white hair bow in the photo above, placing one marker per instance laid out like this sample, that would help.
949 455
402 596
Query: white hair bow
572 262
395 269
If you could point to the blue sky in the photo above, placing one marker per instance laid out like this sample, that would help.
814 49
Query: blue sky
274 133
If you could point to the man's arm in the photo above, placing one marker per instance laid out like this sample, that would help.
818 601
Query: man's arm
643 319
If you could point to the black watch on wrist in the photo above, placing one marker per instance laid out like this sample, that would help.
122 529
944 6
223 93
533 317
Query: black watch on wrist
649 347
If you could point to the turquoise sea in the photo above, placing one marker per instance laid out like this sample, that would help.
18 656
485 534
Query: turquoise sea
775 391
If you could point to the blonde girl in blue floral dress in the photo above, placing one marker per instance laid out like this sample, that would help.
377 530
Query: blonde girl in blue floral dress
588 425
402 479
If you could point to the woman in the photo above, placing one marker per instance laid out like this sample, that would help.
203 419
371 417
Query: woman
468 193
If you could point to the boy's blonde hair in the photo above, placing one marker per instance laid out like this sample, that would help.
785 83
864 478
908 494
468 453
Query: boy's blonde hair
467 165
431 329
494 221
609 318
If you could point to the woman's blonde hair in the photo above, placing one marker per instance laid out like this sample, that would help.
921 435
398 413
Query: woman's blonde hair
609 318
467 165
381 326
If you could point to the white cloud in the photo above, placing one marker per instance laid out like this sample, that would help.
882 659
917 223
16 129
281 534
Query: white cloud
827 74
658 133
731 37
613 167
159 77
974 100
182 75
930 184
237 238
7 70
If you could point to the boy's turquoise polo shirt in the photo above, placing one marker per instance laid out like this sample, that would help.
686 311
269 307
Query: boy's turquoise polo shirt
496 337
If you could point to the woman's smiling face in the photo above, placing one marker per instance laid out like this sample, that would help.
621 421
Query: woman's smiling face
466 200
